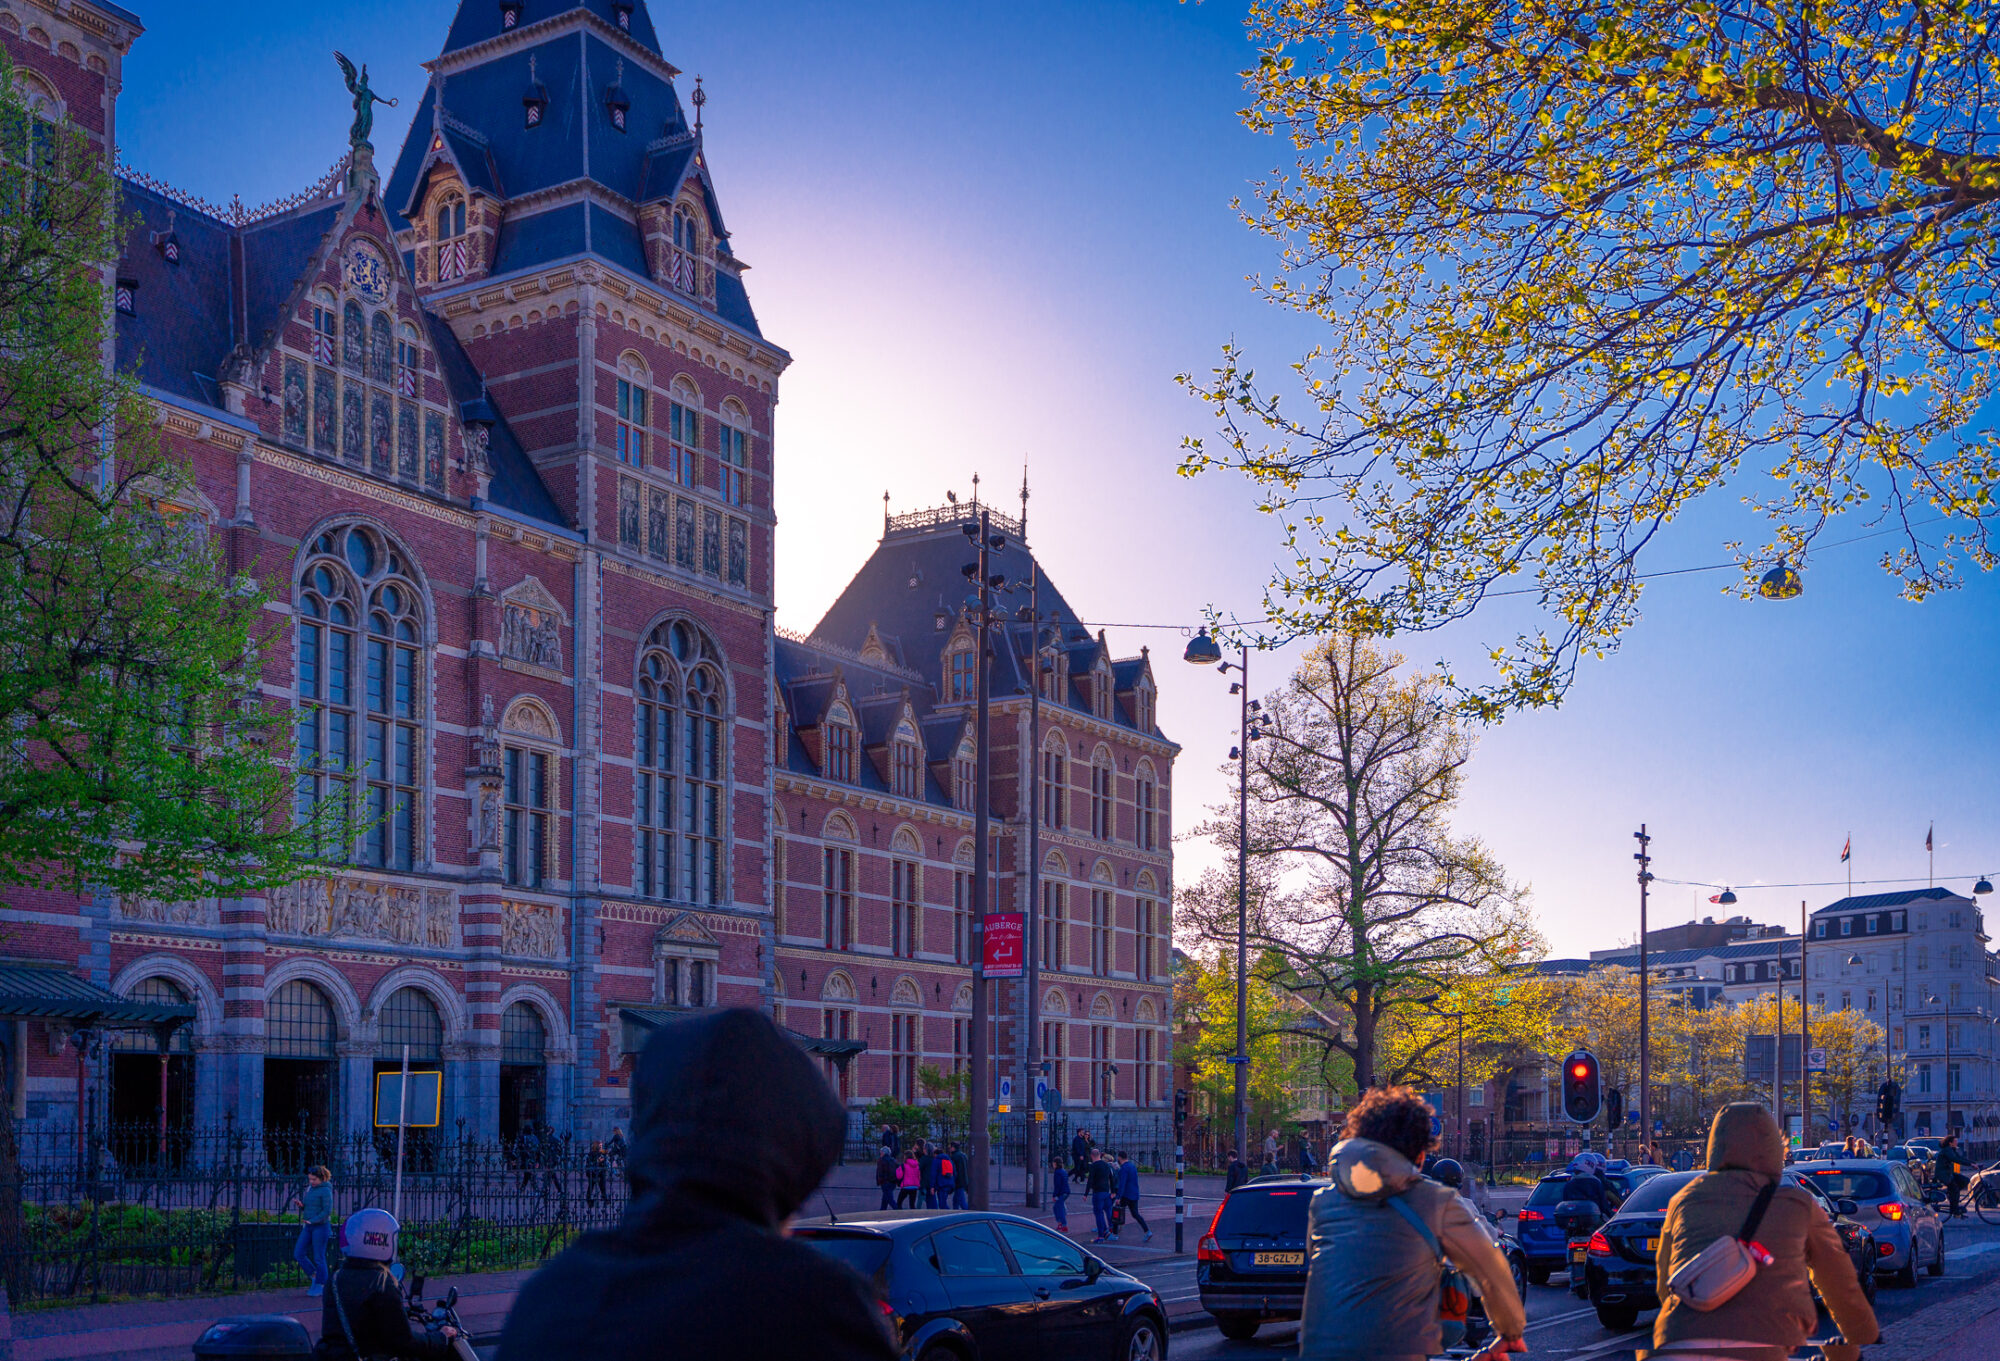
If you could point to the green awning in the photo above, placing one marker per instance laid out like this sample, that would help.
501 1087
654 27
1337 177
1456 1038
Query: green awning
639 1022
33 990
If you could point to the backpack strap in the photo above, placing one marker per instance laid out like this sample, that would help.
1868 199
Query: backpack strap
1415 1221
1757 1208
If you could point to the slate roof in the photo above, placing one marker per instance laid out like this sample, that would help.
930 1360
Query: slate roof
515 485
182 327
1868 902
479 20
805 677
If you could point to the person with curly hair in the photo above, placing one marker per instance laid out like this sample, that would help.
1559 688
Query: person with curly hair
1380 1236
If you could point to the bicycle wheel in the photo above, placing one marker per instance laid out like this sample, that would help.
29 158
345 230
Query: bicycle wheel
1986 1197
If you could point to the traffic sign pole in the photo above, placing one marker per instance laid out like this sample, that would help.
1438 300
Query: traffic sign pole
1180 1170
402 1119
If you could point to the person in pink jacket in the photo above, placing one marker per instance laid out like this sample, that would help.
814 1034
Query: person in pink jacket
910 1178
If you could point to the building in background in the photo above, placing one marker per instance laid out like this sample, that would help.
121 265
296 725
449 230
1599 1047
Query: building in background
494 431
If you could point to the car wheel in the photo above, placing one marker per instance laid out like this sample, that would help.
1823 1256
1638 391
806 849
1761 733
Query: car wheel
1936 1268
1143 1338
1619 1318
1907 1277
1235 1327
1538 1275
940 1351
1520 1270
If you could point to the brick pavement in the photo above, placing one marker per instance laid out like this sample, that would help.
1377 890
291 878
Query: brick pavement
1963 1328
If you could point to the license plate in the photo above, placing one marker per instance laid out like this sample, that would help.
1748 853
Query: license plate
1278 1259
1652 1245
1576 1252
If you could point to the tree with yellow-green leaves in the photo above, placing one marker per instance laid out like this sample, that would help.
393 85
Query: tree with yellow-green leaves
1205 1007
1576 265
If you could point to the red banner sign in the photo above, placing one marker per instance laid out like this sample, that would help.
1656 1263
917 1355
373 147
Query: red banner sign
1005 950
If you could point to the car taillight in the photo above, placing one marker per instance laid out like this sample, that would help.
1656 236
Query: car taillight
1207 1251
1599 1244
1529 1217
1885 1249
1890 1209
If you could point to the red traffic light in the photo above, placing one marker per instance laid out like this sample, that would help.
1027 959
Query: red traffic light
1579 1070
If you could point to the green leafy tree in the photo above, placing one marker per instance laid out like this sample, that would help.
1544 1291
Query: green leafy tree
1366 910
1575 265
139 756
1205 998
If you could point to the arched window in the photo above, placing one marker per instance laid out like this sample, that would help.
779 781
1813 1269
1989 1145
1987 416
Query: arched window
837 885
1152 930
632 389
1103 791
838 735
529 772
1103 921
906 912
410 1017
684 442
961 681
452 245
679 803
1055 913
1100 690
361 695
1147 797
681 259
733 451
1055 780
961 904
298 1022
906 764
964 776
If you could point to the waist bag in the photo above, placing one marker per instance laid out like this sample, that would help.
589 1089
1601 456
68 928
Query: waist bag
1719 1271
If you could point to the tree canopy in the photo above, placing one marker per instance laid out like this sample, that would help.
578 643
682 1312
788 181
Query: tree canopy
1577 263
140 757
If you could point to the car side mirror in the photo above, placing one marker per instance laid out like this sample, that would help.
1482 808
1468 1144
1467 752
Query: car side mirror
1092 1269
1846 1207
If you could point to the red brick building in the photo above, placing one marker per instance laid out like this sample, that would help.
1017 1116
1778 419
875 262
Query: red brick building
492 424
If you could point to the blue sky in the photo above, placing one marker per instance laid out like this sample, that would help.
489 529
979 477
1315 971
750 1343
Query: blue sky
992 233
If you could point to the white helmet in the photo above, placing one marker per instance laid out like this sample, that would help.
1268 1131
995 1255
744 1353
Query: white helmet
371 1235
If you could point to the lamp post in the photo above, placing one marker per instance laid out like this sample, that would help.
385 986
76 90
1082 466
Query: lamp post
1032 967
1644 856
1203 651
985 583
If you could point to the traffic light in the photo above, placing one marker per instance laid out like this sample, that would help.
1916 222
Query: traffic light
1180 1105
1888 1102
1583 1092
1614 1108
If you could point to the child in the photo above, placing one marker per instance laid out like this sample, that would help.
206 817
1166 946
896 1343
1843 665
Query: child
1059 1192
910 1181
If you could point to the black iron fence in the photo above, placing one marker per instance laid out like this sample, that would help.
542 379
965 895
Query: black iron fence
1148 1135
216 1210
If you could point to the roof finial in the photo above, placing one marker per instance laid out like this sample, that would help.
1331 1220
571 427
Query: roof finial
975 489
885 510
1024 500
700 99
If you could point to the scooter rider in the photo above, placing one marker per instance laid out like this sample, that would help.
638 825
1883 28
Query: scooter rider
364 1315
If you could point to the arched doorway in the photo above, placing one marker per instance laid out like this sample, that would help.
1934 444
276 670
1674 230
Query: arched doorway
299 1034
524 1043
139 1097
409 1017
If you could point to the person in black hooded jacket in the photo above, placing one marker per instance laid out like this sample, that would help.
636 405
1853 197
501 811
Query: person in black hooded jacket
732 1128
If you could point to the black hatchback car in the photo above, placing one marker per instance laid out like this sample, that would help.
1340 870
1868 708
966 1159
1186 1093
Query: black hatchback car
1621 1272
1251 1264
976 1286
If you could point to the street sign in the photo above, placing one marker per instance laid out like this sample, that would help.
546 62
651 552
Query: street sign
1437 1126
1005 952
1052 1100
426 1095
1041 1093
1816 1060
1006 1095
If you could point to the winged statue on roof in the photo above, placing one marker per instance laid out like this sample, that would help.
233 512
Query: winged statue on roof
365 100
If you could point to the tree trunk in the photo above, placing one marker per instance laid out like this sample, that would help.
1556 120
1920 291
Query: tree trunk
1364 1038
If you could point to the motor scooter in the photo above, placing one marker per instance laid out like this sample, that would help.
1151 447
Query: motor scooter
281 1337
1579 1219
443 1313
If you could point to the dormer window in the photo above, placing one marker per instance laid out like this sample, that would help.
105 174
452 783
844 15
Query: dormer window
615 103
1142 707
126 297
686 248
964 775
535 101
839 731
453 246
960 679
621 11
1100 692
907 763
510 15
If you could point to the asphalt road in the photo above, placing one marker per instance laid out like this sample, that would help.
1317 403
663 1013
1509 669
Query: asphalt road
1560 1325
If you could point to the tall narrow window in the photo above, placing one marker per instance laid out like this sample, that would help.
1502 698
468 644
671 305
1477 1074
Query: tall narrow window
1147 911
960 682
838 1024
654 802
904 910
961 916
1055 925
839 750
1103 781
732 458
1142 1069
1102 1055
684 437
964 778
907 766
681 258
1147 798
527 802
679 811
1102 921
904 1047
631 436
1055 783
454 254
778 875
361 694
837 882
1055 1049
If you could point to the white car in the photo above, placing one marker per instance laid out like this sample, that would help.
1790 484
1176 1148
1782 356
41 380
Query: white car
1908 1231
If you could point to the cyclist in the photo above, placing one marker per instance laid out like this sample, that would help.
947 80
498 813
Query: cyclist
1742 1194
1950 1172
1379 1236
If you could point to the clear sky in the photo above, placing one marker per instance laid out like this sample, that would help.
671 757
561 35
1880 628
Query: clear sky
993 233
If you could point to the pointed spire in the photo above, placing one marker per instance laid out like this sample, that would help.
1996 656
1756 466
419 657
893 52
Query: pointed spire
699 98
1024 500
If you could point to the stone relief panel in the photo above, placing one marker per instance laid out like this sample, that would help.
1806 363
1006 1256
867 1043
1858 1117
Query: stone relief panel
344 906
531 621
533 930
133 907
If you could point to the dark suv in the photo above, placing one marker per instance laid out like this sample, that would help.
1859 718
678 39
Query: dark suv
1544 1242
1251 1264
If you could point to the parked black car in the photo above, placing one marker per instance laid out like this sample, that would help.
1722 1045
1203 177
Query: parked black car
975 1286
1621 1273
1251 1264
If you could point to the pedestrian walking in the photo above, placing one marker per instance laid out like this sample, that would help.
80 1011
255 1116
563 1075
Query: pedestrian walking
1102 1183
527 1156
732 1128
1059 1192
1236 1175
315 1227
1271 1148
961 1195
927 1163
596 1174
886 1170
909 1181
616 1149
1743 1195
1128 1194
1374 1282
1308 1164
1079 1154
892 1139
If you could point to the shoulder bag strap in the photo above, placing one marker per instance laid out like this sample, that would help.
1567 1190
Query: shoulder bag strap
340 1308
1757 1208
1416 1221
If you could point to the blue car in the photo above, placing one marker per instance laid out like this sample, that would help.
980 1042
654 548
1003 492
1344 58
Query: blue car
1544 1243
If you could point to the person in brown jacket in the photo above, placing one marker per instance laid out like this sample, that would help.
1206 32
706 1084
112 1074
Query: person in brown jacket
1773 1314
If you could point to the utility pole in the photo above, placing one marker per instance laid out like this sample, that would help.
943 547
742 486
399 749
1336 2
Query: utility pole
1805 1039
1645 859
1033 964
981 860
1241 1060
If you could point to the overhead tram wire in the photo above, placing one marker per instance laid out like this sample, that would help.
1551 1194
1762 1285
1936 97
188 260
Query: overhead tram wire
1739 886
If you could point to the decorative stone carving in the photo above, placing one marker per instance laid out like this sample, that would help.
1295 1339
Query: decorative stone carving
489 820
134 907
531 929
531 621
336 906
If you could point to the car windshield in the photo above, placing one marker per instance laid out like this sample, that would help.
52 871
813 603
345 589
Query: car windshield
1658 1190
865 1252
1257 1213
1843 1183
